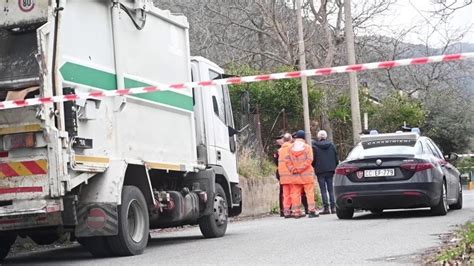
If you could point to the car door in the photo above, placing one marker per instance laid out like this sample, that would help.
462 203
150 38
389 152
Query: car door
449 172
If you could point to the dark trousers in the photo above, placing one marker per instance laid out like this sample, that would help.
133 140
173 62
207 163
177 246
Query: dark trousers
325 185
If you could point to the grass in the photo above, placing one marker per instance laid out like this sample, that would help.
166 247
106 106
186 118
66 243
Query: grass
463 251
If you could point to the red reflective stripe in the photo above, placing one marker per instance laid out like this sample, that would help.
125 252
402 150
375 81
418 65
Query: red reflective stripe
150 89
20 102
7 170
46 100
178 86
452 57
205 83
34 168
324 71
20 190
96 94
234 81
263 77
123 92
71 97
421 60
295 74
388 64
355 68
8 221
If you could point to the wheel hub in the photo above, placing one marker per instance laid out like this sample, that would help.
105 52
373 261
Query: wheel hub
220 210
136 221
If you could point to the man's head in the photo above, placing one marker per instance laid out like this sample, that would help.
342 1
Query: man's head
299 134
322 135
287 137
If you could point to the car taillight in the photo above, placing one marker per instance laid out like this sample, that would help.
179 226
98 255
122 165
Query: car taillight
346 169
417 166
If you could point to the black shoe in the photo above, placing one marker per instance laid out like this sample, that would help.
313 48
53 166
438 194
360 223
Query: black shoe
325 211
333 210
313 214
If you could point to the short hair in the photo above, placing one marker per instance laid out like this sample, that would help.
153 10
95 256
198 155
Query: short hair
287 137
322 134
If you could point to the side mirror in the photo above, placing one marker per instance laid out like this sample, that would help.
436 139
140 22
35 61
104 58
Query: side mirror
233 131
451 157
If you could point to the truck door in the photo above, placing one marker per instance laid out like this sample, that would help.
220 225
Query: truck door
222 118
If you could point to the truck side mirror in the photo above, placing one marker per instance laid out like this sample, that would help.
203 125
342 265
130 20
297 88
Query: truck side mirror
233 131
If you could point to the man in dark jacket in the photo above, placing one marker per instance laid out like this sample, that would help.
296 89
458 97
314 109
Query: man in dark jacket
324 163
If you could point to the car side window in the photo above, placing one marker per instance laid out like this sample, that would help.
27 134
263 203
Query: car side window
437 150
433 150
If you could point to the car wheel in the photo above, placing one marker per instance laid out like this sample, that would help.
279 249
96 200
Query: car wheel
442 207
215 224
376 211
458 204
134 229
344 213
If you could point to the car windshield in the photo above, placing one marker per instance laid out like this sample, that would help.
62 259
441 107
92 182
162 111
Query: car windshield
359 152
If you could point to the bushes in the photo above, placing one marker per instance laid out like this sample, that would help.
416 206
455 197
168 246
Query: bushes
251 166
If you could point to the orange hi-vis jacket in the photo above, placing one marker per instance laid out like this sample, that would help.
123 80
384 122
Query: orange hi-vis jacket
285 174
298 162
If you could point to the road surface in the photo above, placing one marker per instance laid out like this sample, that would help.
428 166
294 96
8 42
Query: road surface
393 237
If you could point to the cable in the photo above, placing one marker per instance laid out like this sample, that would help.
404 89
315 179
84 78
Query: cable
139 27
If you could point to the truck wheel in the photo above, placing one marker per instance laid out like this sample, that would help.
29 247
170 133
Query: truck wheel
6 242
442 207
96 245
215 225
44 238
134 224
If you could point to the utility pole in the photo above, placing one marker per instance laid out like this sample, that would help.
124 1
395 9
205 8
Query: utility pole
355 109
304 83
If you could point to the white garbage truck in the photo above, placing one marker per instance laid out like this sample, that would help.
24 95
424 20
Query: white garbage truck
107 170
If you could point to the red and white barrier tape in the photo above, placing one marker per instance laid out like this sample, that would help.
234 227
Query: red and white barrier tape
240 80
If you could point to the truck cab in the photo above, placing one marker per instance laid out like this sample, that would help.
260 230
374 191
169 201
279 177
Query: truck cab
108 169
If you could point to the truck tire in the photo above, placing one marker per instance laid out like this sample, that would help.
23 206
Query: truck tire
442 207
133 225
215 224
96 245
6 242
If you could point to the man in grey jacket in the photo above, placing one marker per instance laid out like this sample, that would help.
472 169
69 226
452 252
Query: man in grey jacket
325 161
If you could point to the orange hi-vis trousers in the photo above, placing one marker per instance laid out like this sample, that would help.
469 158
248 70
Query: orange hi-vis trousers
296 190
286 197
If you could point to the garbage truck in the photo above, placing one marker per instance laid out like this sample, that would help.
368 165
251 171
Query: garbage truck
108 170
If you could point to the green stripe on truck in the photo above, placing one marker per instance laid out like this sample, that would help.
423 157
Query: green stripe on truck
107 81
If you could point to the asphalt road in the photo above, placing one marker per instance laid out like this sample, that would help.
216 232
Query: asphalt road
393 237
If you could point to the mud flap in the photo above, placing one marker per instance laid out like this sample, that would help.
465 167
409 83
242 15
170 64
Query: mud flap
97 219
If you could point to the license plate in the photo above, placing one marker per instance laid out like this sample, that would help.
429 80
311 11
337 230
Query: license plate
379 172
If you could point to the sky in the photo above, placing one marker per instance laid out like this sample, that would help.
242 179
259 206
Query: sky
405 14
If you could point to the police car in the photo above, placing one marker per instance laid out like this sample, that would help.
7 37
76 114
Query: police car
396 171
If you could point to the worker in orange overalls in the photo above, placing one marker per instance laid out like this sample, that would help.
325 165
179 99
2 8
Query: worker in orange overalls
285 175
298 162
